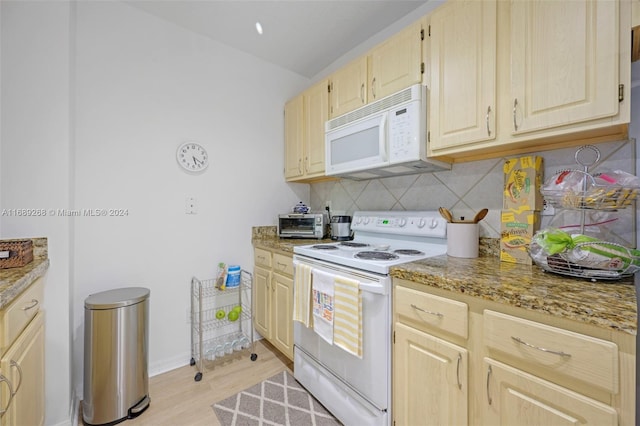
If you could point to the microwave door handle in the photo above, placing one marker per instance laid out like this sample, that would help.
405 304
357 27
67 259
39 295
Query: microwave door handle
383 137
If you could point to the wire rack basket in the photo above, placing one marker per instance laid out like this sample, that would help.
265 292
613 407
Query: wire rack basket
220 320
595 260
583 261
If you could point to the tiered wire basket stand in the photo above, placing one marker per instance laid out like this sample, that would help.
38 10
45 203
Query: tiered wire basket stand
593 197
213 336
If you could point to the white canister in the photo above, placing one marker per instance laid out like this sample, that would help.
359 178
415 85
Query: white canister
462 239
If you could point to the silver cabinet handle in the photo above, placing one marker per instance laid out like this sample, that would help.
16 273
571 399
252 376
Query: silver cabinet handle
12 392
34 303
306 164
17 366
488 128
550 351
3 411
373 87
362 93
438 314
299 165
282 265
489 400
458 371
515 106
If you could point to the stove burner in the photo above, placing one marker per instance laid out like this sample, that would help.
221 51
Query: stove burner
351 244
376 255
409 252
324 247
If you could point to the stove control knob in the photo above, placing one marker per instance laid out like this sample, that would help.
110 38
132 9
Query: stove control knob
434 224
402 222
358 220
366 220
421 223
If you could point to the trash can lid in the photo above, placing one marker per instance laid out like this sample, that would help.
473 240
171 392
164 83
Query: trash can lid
116 298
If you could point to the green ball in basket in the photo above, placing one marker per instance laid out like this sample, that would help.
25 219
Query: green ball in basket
233 315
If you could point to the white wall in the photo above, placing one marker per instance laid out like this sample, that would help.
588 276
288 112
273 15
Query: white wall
36 165
96 98
143 87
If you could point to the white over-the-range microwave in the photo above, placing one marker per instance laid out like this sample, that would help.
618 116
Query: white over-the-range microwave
387 137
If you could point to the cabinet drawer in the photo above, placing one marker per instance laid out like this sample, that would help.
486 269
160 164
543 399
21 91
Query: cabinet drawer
15 317
283 264
262 257
426 311
552 352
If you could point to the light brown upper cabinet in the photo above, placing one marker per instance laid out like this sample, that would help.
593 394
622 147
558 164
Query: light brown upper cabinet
396 63
391 66
349 87
463 74
564 63
305 116
509 77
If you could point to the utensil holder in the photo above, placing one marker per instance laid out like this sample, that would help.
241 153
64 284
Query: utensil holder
463 239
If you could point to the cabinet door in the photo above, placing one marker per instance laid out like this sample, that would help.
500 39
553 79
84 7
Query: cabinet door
514 397
463 74
316 113
23 366
282 313
349 87
396 63
262 301
430 384
293 137
564 62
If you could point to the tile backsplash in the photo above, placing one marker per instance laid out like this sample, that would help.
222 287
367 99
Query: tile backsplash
467 188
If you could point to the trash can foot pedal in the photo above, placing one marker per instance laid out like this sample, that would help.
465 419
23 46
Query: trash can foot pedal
137 409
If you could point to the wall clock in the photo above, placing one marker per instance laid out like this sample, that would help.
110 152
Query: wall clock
192 157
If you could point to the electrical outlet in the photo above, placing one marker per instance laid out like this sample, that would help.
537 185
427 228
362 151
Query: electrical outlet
547 209
191 206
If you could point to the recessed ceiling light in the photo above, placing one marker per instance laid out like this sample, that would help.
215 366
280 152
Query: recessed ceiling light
258 27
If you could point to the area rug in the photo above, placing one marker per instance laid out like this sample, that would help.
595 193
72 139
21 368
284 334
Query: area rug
279 400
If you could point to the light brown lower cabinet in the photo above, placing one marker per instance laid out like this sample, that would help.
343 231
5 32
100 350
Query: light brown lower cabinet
23 366
22 396
462 360
421 359
273 298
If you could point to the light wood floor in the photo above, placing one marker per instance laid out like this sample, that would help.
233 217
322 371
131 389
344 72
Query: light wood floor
177 399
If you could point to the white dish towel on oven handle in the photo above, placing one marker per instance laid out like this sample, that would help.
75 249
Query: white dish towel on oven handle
322 302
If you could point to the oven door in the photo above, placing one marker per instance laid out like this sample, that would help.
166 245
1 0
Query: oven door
367 378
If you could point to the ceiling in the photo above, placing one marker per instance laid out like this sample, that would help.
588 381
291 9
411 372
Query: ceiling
304 36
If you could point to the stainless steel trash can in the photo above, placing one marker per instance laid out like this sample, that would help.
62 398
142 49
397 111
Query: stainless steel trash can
116 355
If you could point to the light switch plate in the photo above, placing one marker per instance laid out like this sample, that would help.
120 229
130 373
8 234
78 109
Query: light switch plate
191 206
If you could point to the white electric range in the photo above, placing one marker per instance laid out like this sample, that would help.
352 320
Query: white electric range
358 390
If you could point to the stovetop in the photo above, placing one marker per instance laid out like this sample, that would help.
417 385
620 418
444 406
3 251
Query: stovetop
383 239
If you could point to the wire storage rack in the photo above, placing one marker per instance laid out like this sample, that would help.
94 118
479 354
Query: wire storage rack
584 257
221 321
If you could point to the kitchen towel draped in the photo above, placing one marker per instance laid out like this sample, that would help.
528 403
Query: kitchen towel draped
302 294
322 301
347 326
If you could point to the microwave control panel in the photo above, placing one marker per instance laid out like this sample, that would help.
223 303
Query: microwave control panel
404 132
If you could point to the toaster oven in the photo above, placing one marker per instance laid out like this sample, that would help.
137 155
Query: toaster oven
303 225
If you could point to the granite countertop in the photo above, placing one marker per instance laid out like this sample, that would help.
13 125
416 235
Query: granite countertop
267 237
14 281
606 304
